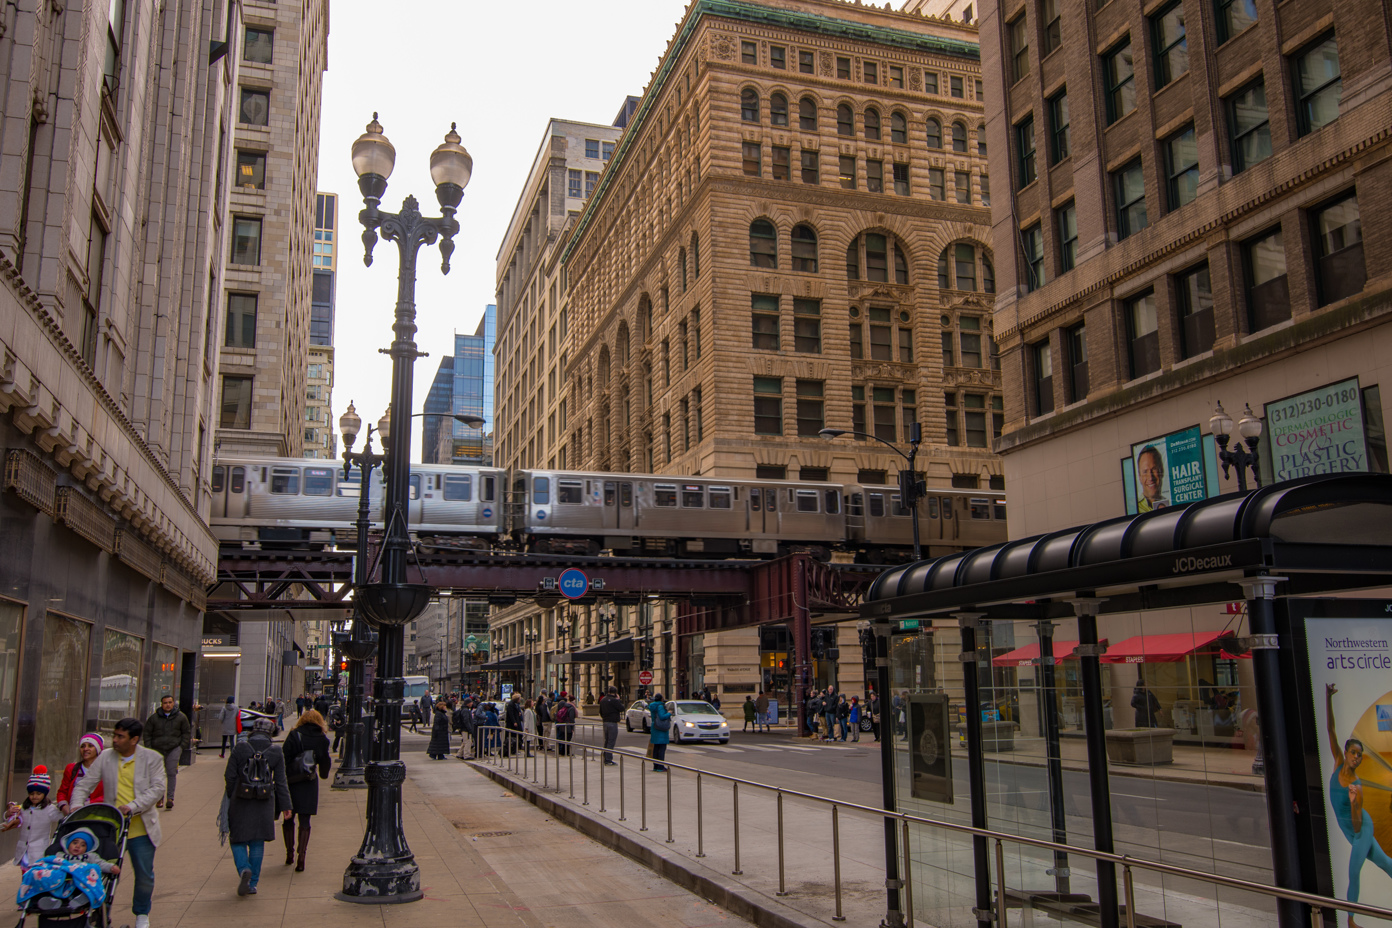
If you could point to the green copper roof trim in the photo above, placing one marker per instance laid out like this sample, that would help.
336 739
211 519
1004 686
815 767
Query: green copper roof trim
753 12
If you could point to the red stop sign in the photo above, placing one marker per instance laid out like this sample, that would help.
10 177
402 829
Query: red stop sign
645 677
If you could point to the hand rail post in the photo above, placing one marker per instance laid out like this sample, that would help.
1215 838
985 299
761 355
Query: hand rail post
836 860
666 769
700 829
570 766
1131 897
907 873
622 817
643 792
585 772
545 769
1000 884
782 882
601 783
737 871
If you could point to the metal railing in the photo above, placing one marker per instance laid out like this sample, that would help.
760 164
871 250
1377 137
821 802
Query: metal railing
525 747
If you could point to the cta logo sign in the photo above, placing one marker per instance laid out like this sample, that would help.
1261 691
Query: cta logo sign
1188 565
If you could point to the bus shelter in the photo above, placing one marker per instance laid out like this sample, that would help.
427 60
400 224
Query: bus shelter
1158 685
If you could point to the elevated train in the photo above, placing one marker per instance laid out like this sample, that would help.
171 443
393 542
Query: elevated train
296 503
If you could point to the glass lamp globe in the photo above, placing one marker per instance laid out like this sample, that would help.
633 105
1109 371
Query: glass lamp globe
350 423
384 425
1249 426
1221 423
451 163
372 153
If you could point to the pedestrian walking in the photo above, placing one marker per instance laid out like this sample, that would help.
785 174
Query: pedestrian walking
169 732
660 728
439 746
256 792
565 723
855 718
750 711
228 718
529 725
512 721
829 714
843 715
134 776
466 727
338 723
36 819
611 709
89 746
307 762
814 712
299 705
543 711
761 708
492 738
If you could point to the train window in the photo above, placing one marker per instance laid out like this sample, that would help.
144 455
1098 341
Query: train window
693 497
999 507
488 489
932 507
541 490
285 480
318 481
855 505
806 500
947 507
609 492
876 504
626 495
665 494
569 491
519 489
896 508
238 483
833 501
756 499
415 484
459 487
219 478
980 508
720 497
771 501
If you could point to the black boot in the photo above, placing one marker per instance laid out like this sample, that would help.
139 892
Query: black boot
287 828
304 846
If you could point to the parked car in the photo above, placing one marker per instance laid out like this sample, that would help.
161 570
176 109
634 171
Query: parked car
692 720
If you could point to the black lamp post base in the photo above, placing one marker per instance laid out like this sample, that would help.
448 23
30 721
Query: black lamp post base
379 882
384 870
350 778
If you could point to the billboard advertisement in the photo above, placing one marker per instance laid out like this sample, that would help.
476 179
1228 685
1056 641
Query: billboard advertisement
930 748
1169 470
1317 432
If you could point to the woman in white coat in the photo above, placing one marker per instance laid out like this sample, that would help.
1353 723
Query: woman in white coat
529 725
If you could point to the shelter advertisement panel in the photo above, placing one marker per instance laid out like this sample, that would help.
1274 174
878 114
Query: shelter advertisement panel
930 748
1350 663
1318 432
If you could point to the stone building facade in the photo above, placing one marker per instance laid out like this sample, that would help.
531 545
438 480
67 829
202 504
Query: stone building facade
268 290
113 185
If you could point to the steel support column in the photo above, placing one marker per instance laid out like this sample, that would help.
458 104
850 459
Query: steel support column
1095 731
976 764
1053 757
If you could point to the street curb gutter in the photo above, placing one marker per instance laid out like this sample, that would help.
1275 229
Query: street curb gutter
740 900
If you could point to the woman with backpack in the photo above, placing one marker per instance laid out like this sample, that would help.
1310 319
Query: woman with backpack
256 793
439 746
660 734
306 763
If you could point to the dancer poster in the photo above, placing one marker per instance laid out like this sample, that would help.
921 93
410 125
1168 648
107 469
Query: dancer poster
1351 675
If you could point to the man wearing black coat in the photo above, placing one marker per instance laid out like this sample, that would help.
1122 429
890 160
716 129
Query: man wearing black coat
168 731
611 709
512 721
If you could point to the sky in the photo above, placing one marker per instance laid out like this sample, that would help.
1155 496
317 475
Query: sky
500 70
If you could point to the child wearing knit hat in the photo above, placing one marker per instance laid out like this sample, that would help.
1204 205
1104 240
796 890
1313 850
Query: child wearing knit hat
36 819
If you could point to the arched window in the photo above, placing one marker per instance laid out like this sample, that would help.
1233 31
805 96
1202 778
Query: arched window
845 120
959 137
898 129
872 124
681 263
763 244
804 249
934 133
695 256
962 265
644 317
621 345
901 265
778 110
874 251
988 274
807 114
981 139
749 105
604 368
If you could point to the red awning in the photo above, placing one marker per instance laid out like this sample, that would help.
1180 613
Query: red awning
1026 656
1160 649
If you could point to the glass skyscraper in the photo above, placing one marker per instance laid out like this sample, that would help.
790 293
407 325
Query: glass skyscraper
463 386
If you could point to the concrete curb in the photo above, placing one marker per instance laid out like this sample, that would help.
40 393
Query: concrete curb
752 906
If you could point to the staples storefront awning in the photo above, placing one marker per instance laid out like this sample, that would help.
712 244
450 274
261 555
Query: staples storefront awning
1163 649
1026 656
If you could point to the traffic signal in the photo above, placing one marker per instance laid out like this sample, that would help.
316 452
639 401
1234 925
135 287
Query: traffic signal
343 666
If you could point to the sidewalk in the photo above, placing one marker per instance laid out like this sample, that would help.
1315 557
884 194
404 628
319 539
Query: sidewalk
487 860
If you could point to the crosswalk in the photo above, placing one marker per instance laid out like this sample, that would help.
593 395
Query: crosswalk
740 748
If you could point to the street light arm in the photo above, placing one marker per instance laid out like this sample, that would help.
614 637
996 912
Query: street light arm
837 433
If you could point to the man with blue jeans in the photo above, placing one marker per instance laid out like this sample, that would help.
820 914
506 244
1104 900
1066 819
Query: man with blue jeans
134 776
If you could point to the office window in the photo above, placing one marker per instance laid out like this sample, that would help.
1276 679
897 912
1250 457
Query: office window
811 173
781 162
778 110
857 341
934 133
240 331
768 405
807 114
1194 309
258 46
778 57
1143 333
807 62
255 109
591 148
591 182
876 260
1041 359
937 185
930 82
843 69
763 244
1032 243
881 334
804 249
1170 42
1068 236
959 137
573 181
1019 48
765 322
985 182
749 53
845 120
898 129
908 410
1053 30
974 419
1060 140
874 175
896 76
870 72
950 411
1268 294
749 105
606 150
969 339
246 240
1249 125
901 179
872 124
956 88
236 403
1181 167
1318 84
752 152
981 139
1233 16
1129 189
883 411
811 409
1024 146
949 350
807 326
1075 343
847 170
1119 78
1339 268
251 169
962 181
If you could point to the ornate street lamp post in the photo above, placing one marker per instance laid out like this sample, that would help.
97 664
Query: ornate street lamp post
1249 428
384 869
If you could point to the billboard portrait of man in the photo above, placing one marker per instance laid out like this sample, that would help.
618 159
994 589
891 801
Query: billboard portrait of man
1150 479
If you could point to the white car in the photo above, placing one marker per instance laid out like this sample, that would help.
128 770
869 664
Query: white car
692 720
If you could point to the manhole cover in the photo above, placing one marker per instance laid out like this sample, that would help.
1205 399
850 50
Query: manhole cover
492 834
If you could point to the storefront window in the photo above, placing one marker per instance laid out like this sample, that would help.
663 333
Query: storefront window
164 680
60 719
11 622
120 682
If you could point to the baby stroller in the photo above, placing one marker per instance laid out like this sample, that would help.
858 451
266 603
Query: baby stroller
107 823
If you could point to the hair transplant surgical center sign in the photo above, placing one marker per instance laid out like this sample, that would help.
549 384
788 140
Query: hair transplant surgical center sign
1318 432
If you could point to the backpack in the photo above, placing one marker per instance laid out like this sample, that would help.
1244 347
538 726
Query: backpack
565 714
661 724
306 766
254 780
